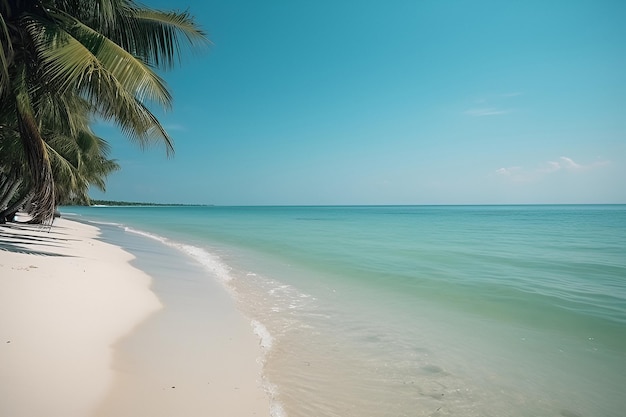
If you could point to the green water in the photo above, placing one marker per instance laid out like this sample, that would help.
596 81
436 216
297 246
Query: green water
419 311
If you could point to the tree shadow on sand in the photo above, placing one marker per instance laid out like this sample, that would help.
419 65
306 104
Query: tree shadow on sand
20 238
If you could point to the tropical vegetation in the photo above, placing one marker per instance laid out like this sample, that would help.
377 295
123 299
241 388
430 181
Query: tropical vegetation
65 64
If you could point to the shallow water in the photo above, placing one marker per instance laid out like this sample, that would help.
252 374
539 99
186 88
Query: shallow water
419 311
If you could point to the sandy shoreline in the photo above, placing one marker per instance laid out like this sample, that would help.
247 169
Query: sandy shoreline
82 334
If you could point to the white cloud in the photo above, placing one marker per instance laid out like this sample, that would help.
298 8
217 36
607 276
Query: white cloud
564 164
549 167
485 111
507 171
569 163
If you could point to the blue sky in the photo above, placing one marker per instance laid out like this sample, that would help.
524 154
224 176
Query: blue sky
391 102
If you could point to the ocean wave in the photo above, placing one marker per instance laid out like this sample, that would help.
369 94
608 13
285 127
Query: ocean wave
146 234
209 261
265 338
103 223
276 408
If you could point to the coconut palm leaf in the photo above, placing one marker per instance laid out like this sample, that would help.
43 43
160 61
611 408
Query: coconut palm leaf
93 162
61 151
66 112
115 82
6 50
79 163
85 55
156 36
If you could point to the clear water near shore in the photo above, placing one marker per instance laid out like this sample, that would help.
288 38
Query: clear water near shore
419 311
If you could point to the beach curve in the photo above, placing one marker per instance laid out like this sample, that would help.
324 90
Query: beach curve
69 302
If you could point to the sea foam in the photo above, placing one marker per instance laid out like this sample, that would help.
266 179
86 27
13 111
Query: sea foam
266 339
209 261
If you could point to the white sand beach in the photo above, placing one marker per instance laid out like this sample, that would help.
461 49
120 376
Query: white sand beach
82 334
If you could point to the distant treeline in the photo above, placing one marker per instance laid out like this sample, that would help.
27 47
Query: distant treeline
133 203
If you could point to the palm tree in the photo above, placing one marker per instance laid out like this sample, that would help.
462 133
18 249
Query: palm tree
54 53
13 174
77 163
13 167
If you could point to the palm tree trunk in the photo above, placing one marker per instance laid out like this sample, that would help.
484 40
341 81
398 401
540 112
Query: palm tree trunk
8 193
36 155
5 183
13 208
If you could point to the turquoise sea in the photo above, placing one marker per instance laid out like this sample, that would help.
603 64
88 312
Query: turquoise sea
416 310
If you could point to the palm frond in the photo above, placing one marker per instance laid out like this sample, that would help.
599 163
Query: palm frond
12 156
114 82
65 172
6 50
157 36
85 56
65 112
95 165
105 13
136 121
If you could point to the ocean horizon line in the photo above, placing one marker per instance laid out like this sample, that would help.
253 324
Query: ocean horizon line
146 205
